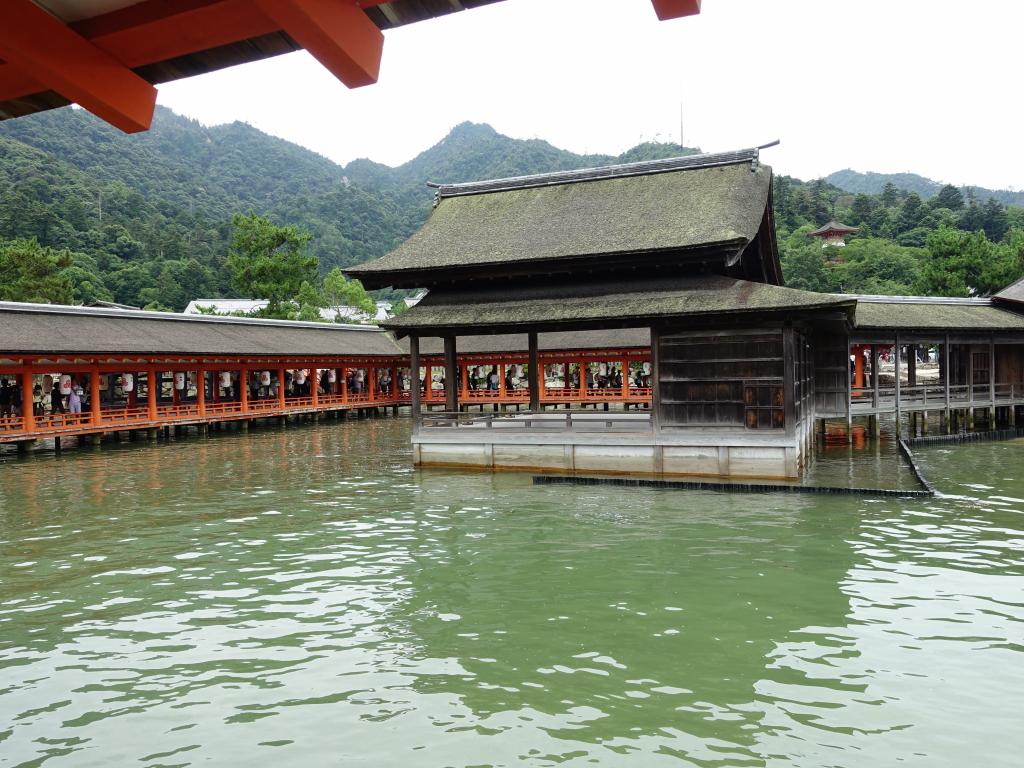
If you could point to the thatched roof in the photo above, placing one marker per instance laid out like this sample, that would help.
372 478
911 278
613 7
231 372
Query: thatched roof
924 313
705 207
603 304
1012 293
48 329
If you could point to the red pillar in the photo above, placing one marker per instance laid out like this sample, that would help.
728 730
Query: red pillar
201 391
314 385
371 382
152 385
94 395
28 416
344 384
243 389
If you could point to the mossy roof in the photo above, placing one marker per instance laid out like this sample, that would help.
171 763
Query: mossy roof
1012 293
54 329
693 207
930 314
603 303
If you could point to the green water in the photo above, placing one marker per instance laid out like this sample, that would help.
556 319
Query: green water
304 598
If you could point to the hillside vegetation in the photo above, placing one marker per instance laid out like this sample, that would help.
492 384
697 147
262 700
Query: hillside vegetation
146 220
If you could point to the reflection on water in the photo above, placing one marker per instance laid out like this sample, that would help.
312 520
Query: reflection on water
304 596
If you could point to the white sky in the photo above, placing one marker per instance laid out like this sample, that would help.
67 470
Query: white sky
928 86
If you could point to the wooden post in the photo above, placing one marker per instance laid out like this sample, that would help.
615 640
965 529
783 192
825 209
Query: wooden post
655 380
896 369
280 388
28 414
414 381
912 365
874 376
849 390
464 382
243 389
451 376
501 382
789 379
945 377
201 391
625 379
534 375
94 395
583 377
992 382
152 386
343 384
314 385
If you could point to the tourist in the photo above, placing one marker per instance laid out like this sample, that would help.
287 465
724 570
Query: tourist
75 399
56 398
589 378
37 400
509 379
493 379
46 402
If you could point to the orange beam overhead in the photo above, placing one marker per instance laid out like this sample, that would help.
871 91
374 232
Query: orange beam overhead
674 9
338 35
61 60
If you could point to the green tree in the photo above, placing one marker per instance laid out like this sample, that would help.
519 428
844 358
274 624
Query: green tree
962 264
340 291
267 261
890 195
34 273
949 197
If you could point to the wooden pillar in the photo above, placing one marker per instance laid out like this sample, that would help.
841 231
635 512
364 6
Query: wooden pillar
414 381
912 365
625 379
28 415
451 376
464 382
992 382
314 385
344 384
849 391
583 376
215 386
874 375
152 388
201 391
789 380
501 381
371 382
945 385
534 375
858 366
243 389
896 369
94 395
655 381
280 388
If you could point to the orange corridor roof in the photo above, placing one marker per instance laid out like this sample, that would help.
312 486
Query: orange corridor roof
106 55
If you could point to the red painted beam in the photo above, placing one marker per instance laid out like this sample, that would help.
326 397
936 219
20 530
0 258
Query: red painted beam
61 60
338 35
674 9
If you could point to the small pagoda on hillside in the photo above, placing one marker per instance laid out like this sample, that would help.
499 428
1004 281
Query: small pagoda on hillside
833 233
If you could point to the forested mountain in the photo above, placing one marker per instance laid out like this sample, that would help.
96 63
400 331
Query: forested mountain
146 219
873 183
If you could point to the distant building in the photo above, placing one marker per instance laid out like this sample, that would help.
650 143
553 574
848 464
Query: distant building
343 313
833 233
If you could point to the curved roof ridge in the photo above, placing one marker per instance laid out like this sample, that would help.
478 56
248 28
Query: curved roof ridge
641 168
